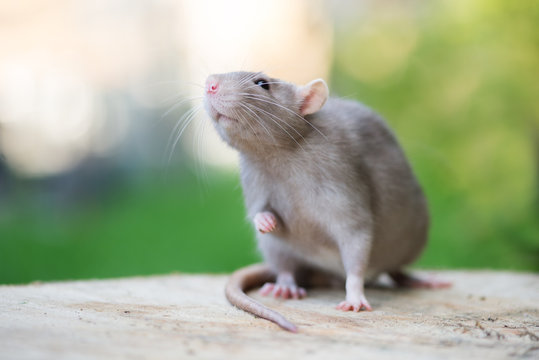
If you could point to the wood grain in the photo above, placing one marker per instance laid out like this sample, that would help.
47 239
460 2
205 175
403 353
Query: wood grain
485 315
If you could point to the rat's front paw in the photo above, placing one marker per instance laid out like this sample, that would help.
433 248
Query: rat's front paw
283 291
265 222
355 305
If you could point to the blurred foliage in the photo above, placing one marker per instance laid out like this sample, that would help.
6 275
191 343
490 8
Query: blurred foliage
156 224
457 81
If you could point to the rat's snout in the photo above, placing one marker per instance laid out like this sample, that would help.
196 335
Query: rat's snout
212 85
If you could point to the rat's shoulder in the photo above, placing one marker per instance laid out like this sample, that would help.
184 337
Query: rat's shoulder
342 107
350 114
344 119
346 103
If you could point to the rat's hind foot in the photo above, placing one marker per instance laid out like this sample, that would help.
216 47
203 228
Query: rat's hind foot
356 306
283 291
285 287
408 281
265 222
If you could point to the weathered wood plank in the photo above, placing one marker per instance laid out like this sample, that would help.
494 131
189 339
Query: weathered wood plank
486 315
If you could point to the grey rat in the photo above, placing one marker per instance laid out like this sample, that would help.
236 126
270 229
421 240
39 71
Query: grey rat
326 185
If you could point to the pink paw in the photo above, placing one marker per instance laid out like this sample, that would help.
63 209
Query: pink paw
283 291
265 222
354 305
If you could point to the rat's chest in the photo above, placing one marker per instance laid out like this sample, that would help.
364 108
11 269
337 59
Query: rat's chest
305 206
308 207
301 194
306 216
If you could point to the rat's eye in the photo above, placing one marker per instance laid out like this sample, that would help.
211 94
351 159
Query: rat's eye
262 83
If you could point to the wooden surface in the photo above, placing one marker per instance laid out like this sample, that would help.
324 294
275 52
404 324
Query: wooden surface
486 315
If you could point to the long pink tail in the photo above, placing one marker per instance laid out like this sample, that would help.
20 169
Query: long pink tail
247 278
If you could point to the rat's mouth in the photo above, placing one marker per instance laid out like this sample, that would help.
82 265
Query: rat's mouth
225 119
218 116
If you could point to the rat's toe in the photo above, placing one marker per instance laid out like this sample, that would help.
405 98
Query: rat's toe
283 291
355 306
267 289
297 292
344 306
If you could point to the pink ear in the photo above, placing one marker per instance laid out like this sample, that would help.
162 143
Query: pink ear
313 96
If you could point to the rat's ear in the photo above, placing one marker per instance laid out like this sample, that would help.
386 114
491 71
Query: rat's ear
312 96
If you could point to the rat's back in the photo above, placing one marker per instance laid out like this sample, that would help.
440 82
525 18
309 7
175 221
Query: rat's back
396 200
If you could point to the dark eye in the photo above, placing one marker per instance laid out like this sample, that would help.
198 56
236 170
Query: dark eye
262 83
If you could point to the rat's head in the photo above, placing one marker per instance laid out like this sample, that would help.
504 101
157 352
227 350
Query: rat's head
252 109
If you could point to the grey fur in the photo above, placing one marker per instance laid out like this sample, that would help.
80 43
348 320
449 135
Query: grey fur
345 197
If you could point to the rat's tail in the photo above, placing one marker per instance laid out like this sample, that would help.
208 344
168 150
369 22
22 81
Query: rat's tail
247 278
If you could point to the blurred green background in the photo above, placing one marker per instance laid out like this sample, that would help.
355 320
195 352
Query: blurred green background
456 80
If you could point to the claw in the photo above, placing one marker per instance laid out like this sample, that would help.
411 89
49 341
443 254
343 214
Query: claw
283 291
354 306
267 289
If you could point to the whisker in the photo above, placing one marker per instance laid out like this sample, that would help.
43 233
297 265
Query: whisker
258 120
196 84
279 125
265 99
198 150
278 119
181 94
179 103
242 118
248 77
186 119
173 98
181 122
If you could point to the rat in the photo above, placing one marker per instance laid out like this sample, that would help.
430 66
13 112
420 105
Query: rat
326 186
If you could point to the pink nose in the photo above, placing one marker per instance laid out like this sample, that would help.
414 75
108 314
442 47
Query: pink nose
212 86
